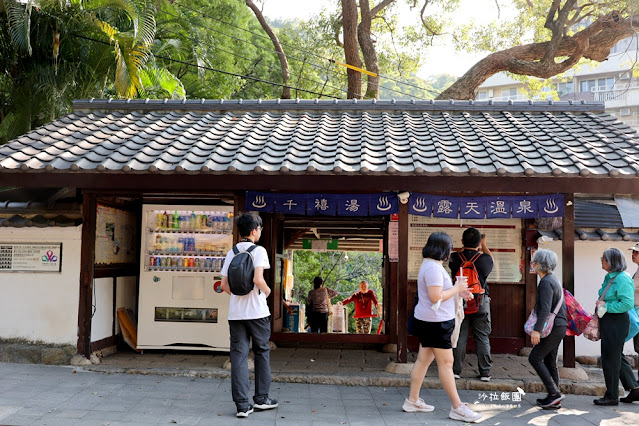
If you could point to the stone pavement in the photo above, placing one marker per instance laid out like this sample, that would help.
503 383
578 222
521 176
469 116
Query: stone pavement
350 367
35 394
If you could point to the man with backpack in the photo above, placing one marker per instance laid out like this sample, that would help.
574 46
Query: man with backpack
476 266
249 315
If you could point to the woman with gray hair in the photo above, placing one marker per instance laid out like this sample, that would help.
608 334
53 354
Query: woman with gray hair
543 356
614 323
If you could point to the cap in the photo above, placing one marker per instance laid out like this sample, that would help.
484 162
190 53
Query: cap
635 247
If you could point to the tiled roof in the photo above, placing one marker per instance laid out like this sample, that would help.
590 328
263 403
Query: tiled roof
597 221
330 137
39 221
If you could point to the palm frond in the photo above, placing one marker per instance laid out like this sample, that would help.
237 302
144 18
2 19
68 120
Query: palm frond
161 83
19 15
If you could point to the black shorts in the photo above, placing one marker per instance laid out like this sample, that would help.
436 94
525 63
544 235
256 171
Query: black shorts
434 334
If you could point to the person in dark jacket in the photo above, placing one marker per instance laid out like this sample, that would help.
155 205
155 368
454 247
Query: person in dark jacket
543 356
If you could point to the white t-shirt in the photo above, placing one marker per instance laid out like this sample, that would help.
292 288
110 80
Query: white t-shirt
252 305
432 273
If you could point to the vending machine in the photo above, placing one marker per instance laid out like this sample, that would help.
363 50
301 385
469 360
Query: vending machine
181 305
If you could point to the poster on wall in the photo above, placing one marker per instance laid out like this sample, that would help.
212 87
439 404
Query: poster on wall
503 237
115 236
393 241
30 257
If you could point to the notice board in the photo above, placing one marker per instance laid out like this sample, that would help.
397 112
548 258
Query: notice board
115 236
503 238
30 257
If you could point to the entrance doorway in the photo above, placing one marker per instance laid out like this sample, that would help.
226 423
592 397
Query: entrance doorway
344 252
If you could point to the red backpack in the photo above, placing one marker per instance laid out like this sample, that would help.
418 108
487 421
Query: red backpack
468 270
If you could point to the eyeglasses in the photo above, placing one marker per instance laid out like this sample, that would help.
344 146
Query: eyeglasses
260 228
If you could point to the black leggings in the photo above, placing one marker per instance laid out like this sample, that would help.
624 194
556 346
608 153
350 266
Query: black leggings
543 358
614 329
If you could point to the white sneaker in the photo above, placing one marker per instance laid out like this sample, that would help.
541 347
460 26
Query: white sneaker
418 406
464 414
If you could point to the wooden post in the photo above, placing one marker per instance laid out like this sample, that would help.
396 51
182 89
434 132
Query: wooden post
402 285
87 260
568 267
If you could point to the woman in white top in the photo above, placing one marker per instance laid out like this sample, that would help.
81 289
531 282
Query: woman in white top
433 325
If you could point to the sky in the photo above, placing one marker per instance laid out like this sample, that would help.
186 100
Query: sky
440 59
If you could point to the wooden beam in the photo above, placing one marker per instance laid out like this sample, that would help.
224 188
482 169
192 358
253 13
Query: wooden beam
402 285
325 183
568 268
530 280
87 260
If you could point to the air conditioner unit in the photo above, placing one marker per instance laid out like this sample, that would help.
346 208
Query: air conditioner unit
624 111
625 76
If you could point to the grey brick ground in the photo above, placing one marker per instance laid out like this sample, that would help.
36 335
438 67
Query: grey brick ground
53 395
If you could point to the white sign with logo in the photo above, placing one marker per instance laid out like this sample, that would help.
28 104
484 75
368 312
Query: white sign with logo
30 257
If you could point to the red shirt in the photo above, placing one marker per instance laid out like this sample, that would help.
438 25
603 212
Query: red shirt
363 304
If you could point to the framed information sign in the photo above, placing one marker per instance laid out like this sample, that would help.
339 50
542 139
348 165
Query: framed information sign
30 257
503 238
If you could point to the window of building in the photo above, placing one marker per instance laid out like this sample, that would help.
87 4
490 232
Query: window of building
565 88
508 94
599 84
482 95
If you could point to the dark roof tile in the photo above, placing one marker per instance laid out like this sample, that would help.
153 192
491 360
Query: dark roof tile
419 137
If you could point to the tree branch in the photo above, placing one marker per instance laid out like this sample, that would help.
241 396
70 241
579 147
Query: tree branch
557 27
593 42
286 91
421 16
381 6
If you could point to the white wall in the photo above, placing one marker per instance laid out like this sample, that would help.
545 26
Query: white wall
42 306
105 312
588 280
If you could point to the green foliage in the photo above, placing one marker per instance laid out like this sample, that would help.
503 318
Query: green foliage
63 50
339 274
440 82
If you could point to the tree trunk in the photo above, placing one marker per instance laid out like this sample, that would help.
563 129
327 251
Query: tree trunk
368 50
351 48
593 42
286 92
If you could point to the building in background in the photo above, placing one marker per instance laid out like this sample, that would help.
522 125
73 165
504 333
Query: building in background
611 82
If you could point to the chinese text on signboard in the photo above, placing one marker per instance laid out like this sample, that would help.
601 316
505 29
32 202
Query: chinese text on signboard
30 257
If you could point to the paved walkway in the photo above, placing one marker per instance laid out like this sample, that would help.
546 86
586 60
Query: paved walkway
347 367
34 394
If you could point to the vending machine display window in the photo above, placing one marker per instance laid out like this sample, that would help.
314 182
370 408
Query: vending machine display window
183 251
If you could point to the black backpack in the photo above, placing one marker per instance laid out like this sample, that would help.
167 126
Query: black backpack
241 271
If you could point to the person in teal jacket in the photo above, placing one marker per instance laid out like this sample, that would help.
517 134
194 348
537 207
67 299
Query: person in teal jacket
614 323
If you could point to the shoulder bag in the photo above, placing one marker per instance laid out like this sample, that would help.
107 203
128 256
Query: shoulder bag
529 326
592 329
